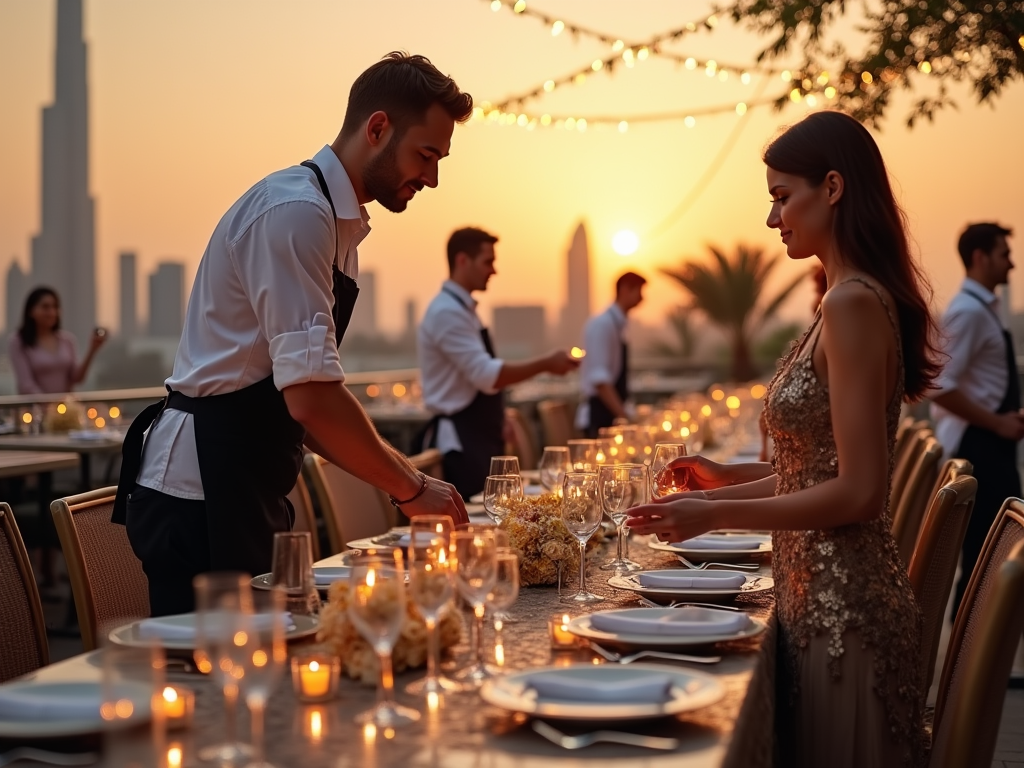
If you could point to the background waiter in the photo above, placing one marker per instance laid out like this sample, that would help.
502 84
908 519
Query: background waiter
603 375
257 372
461 377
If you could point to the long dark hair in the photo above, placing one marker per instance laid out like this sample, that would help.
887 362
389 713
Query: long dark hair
869 228
28 332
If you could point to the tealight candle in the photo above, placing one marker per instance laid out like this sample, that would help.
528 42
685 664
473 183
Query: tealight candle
561 637
315 678
178 704
578 353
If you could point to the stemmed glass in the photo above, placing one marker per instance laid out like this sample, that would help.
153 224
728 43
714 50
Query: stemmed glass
475 556
582 455
504 465
554 463
500 491
292 571
220 600
581 514
377 610
261 637
665 480
622 487
431 589
506 587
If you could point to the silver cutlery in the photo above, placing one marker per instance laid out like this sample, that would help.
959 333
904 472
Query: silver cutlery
684 604
45 756
620 659
729 566
613 737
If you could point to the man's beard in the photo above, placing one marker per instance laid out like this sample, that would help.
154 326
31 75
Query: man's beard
383 181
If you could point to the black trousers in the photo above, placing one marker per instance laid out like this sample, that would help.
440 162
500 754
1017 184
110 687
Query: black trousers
169 535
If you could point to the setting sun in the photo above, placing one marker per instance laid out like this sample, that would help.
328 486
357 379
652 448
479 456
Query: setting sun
625 242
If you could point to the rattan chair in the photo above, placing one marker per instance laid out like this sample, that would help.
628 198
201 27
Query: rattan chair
430 462
555 422
23 646
906 459
523 445
107 580
933 565
985 636
351 508
305 517
917 494
903 432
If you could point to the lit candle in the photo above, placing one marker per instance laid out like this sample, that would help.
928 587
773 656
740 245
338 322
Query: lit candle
315 678
561 637
178 704
578 353
174 755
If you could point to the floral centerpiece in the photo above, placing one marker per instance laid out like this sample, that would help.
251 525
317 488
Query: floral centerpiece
358 659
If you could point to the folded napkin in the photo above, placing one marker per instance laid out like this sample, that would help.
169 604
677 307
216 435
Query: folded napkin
685 622
48 702
562 686
172 628
423 539
717 541
326 575
689 579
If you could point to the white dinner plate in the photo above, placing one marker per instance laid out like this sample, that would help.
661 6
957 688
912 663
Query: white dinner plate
690 690
582 627
54 727
128 635
754 583
262 582
716 555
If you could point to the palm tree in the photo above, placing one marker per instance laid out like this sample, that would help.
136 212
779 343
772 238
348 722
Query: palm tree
729 291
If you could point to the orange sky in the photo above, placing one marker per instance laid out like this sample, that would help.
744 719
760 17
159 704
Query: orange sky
193 101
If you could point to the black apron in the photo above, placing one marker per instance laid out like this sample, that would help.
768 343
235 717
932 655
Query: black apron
249 449
600 415
480 427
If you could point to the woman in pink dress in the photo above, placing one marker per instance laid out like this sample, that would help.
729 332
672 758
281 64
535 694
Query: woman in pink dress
43 356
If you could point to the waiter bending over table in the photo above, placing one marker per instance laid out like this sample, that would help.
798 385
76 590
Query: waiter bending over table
257 374
462 379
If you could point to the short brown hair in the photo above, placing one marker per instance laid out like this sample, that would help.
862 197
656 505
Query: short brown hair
404 86
980 237
629 280
468 241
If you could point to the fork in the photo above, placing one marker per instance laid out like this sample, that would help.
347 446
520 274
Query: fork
44 756
730 566
614 737
683 604
619 658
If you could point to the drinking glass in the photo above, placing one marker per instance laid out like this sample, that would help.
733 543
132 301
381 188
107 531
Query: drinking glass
475 556
431 589
581 514
583 455
504 465
622 487
506 586
664 479
554 463
377 610
500 491
292 571
220 600
261 635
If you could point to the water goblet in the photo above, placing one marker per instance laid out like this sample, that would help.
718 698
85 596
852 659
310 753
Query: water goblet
583 455
581 514
500 492
261 636
506 587
475 555
504 465
554 463
664 479
292 571
622 487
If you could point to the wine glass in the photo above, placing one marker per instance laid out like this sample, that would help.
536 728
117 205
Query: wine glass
581 514
504 465
554 463
431 589
475 556
220 599
292 571
622 487
583 455
261 636
500 491
506 586
665 480
377 610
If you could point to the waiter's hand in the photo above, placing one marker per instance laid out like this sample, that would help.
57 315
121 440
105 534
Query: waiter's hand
438 498
561 363
1009 425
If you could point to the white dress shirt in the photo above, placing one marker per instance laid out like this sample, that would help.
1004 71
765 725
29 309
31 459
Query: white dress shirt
261 305
603 336
974 342
454 364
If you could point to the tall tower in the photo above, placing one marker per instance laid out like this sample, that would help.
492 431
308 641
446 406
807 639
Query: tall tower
129 304
17 289
167 300
63 253
577 289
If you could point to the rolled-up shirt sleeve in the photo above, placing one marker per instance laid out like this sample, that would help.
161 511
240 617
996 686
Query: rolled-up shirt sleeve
960 332
291 292
458 339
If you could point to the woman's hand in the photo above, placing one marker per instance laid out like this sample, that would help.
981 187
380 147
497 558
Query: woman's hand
702 474
674 518
98 339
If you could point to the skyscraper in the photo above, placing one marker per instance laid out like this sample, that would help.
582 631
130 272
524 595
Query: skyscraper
63 253
577 289
129 305
17 290
167 300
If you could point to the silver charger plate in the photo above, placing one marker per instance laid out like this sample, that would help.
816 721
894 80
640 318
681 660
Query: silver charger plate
631 582
718 555
128 635
582 626
54 727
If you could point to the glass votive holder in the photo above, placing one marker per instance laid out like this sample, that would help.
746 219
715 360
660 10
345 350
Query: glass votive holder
178 704
315 677
558 628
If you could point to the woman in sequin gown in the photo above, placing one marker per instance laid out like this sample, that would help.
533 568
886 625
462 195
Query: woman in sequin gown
850 626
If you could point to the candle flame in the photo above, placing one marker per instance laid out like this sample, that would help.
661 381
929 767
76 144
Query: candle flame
578 353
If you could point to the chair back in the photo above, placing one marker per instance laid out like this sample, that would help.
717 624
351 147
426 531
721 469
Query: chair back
555 422
107 580
522 441
903 432
430 462
351 508
305 517
906 461
933 565
985 636
917 494
23 645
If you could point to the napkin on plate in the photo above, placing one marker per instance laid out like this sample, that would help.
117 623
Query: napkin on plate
28 702
686 621
172 628
717 541
423 539
561 686
680 579
326 575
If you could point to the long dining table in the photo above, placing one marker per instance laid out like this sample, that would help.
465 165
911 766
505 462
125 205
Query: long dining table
462 731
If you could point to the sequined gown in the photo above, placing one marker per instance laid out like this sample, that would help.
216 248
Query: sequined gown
850 626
